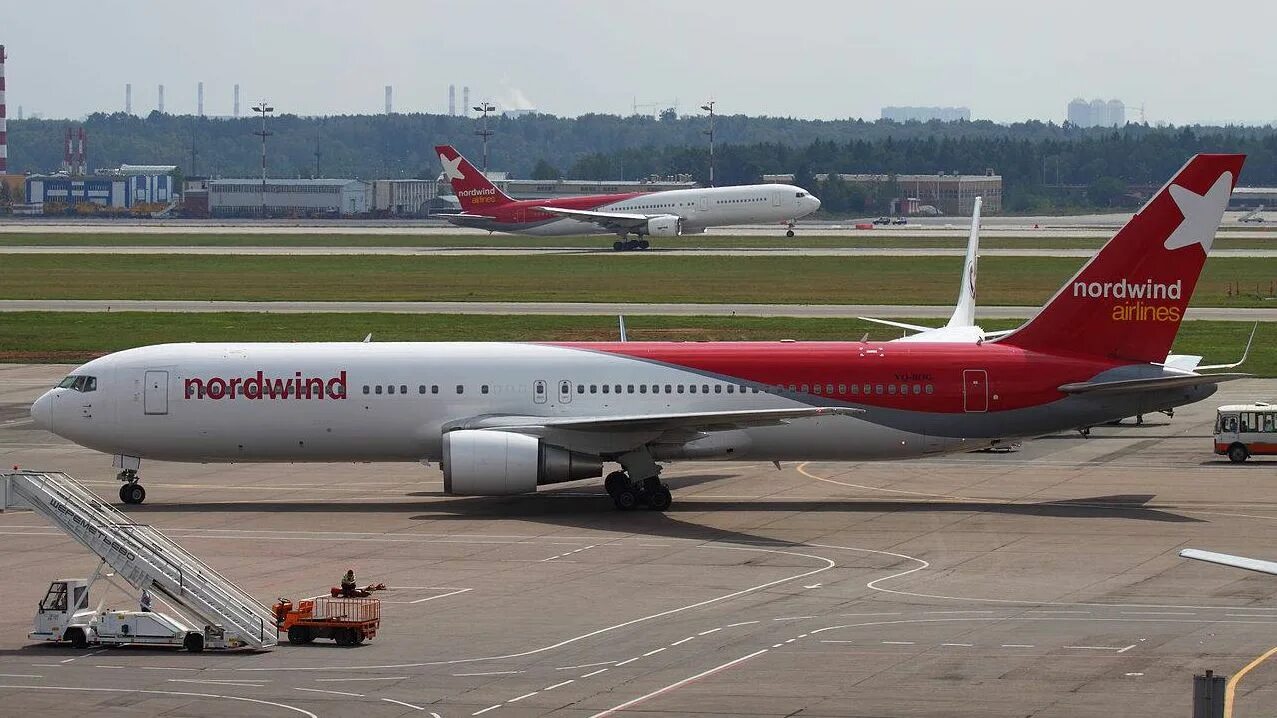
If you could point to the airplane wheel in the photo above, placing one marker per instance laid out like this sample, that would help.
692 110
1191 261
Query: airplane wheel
643 244
1237 453
789 233
615 482
132 493
625 499
618 246
660 499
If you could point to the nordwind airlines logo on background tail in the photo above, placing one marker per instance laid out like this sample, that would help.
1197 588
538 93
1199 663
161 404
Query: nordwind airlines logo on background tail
452 168
1202 213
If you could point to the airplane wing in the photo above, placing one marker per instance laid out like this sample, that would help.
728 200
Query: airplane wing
1157 383
1224 559
463 219
693 421
615 221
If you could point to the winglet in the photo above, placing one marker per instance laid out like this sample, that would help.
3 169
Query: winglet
964 311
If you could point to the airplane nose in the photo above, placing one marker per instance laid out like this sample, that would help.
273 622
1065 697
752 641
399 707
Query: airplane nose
42 411
815 202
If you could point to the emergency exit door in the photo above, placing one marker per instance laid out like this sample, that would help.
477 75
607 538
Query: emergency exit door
155 393
975 390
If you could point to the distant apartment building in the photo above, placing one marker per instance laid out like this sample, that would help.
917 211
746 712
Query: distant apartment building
1096 113
926 114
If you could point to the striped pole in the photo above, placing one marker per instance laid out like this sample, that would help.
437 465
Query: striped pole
4 133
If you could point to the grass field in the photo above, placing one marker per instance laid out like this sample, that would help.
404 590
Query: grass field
76 337
1025 281
903 239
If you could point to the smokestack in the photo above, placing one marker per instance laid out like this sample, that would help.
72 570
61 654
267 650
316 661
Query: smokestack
81 156
452 100
199 99
4 130
128 98
67 164
236 100
160 103
389 106
465 100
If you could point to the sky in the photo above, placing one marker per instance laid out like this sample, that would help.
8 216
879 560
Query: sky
828 59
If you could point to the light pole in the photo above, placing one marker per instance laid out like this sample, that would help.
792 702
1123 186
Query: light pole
483 130
709 107
263 109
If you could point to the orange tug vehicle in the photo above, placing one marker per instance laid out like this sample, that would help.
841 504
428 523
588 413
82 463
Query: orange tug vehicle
347 621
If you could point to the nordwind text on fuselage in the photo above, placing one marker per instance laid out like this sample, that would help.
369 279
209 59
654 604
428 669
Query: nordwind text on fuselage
259 386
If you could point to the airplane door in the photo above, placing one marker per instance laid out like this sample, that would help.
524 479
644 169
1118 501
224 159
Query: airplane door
777 198
703 204
538 391
975 390
155 393
519 216
565 392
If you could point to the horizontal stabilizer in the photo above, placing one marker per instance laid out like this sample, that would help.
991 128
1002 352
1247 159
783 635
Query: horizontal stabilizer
898 325
1224 559
1156 383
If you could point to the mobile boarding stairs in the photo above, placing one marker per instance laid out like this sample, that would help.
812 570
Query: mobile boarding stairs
144 557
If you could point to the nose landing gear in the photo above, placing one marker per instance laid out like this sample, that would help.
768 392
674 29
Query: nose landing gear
131 492
789 231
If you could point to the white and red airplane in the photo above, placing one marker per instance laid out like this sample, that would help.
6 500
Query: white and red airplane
670 213
504 418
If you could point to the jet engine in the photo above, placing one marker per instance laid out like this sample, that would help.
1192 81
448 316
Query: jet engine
493 463
666 225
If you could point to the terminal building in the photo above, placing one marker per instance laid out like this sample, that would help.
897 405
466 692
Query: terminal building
289 197
950 194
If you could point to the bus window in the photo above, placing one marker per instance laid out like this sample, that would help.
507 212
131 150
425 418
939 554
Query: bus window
1249 422
1268 422
1230 424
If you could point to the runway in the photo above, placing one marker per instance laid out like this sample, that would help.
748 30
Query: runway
1043 582
839 311
667 250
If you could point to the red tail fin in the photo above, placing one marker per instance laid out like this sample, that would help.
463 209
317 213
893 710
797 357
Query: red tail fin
473 190
1127 302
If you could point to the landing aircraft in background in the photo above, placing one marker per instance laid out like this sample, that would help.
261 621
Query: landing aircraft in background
670 213
504 418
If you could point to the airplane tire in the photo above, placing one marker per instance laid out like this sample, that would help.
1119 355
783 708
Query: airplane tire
1237 453
660 499
643 244
618 246
626 499
132 493
615 482
789 233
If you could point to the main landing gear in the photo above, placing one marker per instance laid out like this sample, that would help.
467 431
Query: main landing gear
629 245
629 495
131 492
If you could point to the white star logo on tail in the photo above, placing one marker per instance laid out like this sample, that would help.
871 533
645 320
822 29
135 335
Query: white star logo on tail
452 168
1202 213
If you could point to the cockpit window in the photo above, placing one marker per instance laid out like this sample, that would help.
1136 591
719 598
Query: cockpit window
800 194
79 383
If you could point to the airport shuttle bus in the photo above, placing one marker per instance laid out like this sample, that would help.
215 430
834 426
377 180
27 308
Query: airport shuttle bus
1246 430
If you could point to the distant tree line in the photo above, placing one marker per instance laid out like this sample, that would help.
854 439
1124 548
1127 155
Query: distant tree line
1044 166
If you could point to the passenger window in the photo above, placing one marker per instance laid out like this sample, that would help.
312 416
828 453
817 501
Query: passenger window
718 388
642 388
692 388
421 389
618 388
365 388
805 389
891 388
403 388
629 388
434 388
594 388
680 388
704 388
917 389
878 389
669 388
461 389
390 389
605 388
930 389
378 388
829 388
818 389
731 388
580 388
842 388
483 389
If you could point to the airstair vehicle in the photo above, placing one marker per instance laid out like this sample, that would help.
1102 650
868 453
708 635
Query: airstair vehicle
218 613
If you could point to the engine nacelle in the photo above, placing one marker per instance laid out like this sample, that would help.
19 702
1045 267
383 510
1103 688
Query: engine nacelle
666 225
494 463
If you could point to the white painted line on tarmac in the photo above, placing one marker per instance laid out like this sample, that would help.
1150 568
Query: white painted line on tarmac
321 690
487 673
792 618
443 595
678 684
1064 612
595 673
347 680
20 675
584 665
681 641
1017 645
898 643
485 710
1100 648
1124 650
941 613
712 630
1157 613
184 694
525 695
742 623
559 685
408 705
237 684
653 653
627 661
959 645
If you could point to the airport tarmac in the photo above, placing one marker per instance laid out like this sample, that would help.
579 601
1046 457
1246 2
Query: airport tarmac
1043 582
843 311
